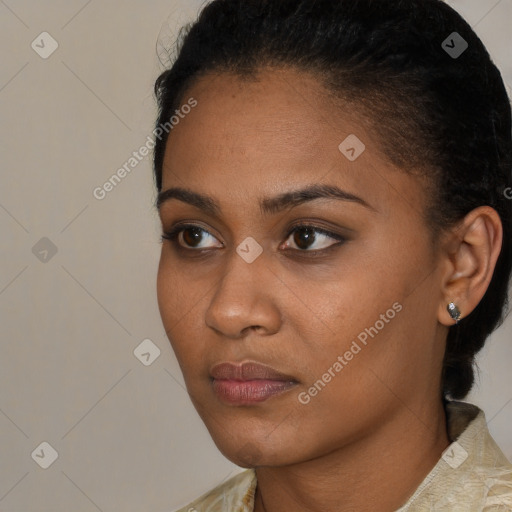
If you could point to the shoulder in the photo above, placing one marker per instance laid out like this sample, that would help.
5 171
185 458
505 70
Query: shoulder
495 471
236 494
473 474
485 473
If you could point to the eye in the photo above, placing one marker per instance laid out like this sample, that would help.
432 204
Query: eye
305 238
190 236
310 238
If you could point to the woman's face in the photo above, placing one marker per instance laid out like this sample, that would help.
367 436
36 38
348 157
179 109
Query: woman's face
344 310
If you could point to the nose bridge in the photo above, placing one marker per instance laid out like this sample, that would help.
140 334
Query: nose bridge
242 297
238 274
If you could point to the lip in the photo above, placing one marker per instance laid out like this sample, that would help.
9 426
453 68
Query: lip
247 371
249 382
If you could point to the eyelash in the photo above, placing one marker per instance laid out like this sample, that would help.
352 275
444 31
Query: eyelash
173 234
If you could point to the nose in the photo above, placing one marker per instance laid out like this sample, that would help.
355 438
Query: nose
245 299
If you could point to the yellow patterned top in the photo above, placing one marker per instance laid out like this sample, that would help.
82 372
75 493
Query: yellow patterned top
472 475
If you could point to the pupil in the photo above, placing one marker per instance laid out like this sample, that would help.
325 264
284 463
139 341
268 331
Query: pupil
304 237
195 233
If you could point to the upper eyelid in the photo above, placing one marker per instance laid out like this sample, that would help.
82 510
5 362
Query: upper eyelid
320 229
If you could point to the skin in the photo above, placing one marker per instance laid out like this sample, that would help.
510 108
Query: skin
368 439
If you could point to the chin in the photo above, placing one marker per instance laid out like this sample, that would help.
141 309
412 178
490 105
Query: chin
250 455
249 438
252 452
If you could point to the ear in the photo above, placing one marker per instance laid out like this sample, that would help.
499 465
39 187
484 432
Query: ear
470 256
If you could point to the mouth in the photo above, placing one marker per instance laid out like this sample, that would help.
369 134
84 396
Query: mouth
248 383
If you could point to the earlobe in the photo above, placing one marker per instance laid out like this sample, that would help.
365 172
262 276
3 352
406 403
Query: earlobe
471 256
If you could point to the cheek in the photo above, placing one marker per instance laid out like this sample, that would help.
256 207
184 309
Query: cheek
361 314
172 302
181 303
333 309
166 285
179 291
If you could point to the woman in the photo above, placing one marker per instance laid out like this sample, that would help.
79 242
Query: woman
336 249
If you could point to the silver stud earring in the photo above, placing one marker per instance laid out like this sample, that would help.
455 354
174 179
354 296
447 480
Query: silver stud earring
454 311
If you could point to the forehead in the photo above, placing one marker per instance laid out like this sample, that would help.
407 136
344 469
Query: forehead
281 108
256 136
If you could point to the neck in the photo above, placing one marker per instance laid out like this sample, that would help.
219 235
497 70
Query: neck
378 472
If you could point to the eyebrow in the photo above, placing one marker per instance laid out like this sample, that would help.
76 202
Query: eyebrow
268 205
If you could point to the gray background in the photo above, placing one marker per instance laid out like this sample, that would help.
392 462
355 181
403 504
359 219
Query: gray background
126 435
